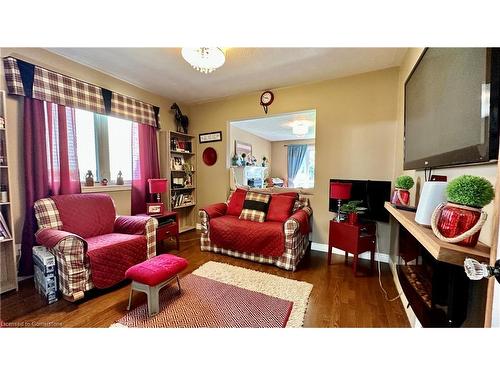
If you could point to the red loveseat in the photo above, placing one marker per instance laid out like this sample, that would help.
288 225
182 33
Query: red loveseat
281 240
93 247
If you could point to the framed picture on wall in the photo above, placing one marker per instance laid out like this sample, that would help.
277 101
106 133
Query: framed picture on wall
242 148
210 137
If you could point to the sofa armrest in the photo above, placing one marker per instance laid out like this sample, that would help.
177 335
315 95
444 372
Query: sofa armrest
215 210
299 222
131 224
51 238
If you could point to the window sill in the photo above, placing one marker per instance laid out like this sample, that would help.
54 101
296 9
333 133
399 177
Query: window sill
101 189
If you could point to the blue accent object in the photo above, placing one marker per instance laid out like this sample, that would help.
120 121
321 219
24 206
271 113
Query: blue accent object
27 72
296 155
106 98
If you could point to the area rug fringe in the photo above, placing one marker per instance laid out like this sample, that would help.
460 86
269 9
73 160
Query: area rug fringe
291 290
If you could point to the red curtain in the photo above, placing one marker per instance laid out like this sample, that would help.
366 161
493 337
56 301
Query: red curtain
145 164
50 164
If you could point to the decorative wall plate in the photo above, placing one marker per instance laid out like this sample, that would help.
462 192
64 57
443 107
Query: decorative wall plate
209 156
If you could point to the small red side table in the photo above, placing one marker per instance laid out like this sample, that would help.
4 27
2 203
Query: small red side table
168 227
354 239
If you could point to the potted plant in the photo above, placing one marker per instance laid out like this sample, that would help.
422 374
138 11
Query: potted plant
401 195
352 210
461 218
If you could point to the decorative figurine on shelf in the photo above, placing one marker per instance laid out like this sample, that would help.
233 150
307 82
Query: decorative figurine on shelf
104 182
234 160
243 159
119 178
265 162
89 178
181 120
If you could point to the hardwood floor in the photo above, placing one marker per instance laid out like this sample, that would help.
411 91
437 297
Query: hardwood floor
338 299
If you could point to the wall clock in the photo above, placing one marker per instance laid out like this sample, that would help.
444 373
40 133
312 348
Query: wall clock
266 99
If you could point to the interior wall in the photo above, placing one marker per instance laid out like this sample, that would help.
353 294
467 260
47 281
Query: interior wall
260 146
356 121
15 119
279 159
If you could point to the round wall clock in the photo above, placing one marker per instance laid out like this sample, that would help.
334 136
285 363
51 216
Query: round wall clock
266 99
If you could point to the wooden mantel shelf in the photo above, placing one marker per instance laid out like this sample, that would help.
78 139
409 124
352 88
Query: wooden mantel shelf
442 251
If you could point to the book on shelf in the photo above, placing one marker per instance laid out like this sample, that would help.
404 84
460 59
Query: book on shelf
4 228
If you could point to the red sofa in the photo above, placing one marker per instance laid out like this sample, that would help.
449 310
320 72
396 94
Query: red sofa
93 247
281 240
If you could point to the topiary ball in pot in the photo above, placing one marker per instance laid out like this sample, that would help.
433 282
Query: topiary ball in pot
401 195
460 220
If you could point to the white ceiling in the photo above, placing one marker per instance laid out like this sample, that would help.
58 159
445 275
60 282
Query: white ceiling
164 72
279 127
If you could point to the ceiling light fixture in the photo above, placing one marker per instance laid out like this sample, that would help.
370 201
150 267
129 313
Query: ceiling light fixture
204 59
299 129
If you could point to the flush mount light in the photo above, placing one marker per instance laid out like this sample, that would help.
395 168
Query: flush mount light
299 129
204 59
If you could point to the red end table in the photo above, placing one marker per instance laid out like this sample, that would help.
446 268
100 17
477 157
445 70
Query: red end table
168 227
354 239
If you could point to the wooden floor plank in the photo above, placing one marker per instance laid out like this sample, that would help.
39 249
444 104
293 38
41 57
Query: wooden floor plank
338 299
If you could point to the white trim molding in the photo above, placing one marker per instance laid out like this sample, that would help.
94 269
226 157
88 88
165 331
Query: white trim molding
380 257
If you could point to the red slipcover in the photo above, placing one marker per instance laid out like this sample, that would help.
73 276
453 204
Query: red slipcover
280 207
266 238
87 215
111 255
235 204
156 270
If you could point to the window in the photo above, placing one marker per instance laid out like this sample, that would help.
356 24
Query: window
305 175
104 146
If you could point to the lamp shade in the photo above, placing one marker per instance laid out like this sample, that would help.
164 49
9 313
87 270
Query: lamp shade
157 185
340 190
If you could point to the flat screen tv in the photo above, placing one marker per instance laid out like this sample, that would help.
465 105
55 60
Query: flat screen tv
451 108
373 194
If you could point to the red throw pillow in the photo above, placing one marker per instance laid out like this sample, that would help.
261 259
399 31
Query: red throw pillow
235 204
281 206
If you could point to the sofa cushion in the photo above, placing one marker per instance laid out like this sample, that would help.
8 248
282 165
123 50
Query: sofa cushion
280 207
156 270
111 255
255 207
235 204
229 232
86 215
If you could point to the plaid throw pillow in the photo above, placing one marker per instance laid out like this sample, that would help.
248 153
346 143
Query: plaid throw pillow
255 207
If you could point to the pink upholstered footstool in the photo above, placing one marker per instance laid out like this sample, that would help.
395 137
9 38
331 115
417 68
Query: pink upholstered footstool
152 275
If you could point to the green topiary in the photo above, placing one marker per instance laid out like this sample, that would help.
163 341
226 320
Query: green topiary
471 191
404 182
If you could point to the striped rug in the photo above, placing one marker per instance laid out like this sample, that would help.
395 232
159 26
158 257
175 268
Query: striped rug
219 295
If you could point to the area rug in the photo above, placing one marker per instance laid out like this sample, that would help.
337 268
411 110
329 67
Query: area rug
220 295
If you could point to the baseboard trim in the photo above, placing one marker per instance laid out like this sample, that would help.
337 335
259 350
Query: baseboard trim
380 257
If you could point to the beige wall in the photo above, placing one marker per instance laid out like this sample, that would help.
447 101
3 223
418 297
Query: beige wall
260 146
356 121
279 159
15 109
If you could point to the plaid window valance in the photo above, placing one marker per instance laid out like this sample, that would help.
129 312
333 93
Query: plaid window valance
37 82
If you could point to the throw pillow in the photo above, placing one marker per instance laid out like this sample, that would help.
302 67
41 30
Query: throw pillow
255 207
280 207
235 204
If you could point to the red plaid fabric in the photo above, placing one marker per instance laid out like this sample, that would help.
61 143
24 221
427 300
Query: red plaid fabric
131 109
58 88
71 252
13 77
296 244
